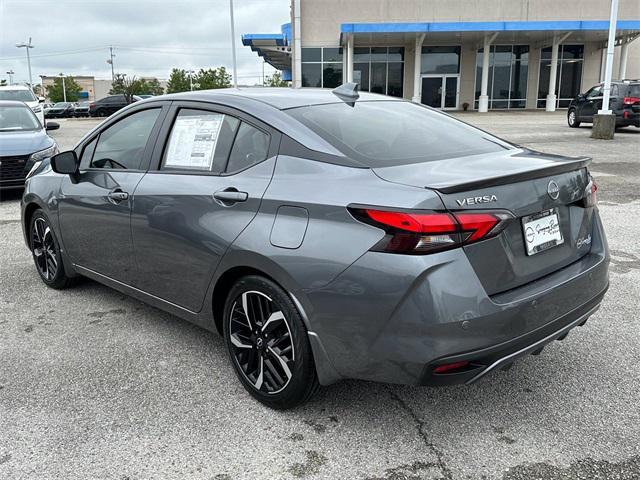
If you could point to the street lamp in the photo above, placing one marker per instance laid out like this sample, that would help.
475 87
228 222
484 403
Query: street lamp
28 47
190 73
64 88
10 73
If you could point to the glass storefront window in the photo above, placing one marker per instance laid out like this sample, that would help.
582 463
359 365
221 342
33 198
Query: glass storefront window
568 75
322 67
379 69
311 75
440 60
508 74
331 75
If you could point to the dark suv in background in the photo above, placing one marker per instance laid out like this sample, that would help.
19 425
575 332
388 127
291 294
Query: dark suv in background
624 102
108 105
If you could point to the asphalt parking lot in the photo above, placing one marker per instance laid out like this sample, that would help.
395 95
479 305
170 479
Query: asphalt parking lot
97 385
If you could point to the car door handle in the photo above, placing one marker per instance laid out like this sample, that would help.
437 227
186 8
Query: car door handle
230 195
117 196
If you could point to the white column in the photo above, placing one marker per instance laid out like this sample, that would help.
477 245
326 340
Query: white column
624 53
551 97
611 43
483 102
350 57
603 62
417 67
297 46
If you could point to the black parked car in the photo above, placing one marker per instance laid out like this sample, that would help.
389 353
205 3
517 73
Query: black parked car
81 109
61 110
108 105
624 102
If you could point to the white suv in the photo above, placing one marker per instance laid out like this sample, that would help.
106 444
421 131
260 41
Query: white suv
23 94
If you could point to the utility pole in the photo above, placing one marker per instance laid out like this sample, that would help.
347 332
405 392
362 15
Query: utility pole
27 46
604 122
64 89
10 73
110 62
233 45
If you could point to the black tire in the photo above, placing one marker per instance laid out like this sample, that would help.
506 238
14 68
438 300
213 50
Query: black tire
280 352
45 251
572 118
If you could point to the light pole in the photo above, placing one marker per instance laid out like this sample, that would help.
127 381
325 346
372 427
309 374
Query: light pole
10 73
604 122
190 73
233 45
110 62
28 47
64 89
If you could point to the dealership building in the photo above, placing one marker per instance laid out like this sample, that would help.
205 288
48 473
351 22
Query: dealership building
454 54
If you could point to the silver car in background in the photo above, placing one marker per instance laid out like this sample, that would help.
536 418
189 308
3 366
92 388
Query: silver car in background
326 235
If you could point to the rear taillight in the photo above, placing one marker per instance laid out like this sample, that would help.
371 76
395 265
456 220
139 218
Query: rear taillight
426 232
591 193
631 100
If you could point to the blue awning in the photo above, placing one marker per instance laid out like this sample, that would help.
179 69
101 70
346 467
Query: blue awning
422 27
272 47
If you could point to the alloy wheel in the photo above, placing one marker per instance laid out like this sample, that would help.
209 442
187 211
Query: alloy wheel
572 117
261 342
44 249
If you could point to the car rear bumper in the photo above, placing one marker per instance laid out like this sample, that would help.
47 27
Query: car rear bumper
394 318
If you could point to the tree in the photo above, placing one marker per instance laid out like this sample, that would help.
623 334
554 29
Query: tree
117 86
275 80
153 87
3 82
55 92
178 81
212 78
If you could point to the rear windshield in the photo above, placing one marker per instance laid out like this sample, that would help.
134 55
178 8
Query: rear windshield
19 95
388 133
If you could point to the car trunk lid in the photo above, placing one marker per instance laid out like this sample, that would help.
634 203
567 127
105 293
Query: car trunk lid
521 182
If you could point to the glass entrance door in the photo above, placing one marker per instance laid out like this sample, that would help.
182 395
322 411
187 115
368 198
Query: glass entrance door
440 91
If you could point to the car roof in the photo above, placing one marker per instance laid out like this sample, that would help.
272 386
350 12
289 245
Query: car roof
280 98
13 103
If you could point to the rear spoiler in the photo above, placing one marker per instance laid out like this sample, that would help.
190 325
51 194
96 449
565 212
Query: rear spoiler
563 165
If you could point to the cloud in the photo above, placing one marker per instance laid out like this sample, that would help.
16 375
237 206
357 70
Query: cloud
149 37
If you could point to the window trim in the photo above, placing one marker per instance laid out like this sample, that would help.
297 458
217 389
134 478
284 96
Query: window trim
162 140
146 156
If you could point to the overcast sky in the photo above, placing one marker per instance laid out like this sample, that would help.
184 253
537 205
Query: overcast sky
149 36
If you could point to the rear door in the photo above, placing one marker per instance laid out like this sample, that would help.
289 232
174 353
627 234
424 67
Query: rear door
211 167
95 206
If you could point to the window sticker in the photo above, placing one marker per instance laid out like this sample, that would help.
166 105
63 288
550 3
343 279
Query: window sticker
193 141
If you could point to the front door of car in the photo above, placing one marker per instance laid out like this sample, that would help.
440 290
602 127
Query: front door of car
591 103
212 167
95 205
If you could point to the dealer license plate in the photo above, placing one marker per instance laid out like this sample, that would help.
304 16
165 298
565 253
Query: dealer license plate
541 231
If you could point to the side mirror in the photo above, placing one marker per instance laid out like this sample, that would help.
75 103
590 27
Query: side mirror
65 163
52 126
581 96
41 99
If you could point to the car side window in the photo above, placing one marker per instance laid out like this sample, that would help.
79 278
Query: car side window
594 92
87 154
614 90
251 146
121 146
200 140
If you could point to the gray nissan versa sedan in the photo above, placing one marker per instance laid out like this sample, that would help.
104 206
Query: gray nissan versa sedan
326 235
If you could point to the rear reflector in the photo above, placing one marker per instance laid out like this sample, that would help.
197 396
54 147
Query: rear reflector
427 232
449 367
